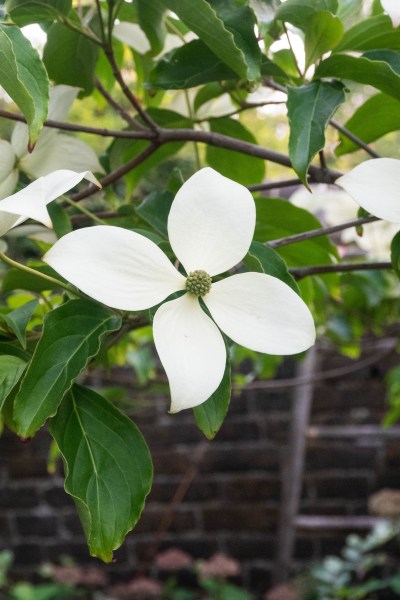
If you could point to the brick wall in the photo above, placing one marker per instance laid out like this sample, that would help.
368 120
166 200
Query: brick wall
233 502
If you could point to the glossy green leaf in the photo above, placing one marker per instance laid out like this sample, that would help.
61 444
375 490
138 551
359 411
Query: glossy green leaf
11 369
226 28
362 70
299 12
107 466
392 57
365 124
278 218
17 320
70 57
188 66
395 253
210 415
371 34
15 279
24 77
25 12
310 107
71 337
151 20
262 259
154 209
240 167
323 33
60 219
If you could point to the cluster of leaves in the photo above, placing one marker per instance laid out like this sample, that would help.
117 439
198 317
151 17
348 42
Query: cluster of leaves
119 53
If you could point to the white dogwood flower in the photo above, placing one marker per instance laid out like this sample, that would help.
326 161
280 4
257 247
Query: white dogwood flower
210 226
53 150
31 202
392 7
375 186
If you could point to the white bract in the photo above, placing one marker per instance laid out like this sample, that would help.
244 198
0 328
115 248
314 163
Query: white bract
392 7
31 202
375 186
210 226
54 150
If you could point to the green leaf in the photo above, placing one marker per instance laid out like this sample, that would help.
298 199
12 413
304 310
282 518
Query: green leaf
25 12
70 57
392 57
210 415
18 319
262 259
310 107
242 168
71 337
278 218
366 126
188 66
323 33
395 253
151 20
154 209
107 465
370 72
15 279
24 78
11 369
230 35
371 34
299 12
59 217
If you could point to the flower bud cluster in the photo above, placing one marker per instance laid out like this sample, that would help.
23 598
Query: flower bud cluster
198 283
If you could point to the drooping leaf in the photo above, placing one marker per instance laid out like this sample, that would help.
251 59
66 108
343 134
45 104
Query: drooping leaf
242 168
71 337
230 35
70 57
371 34
262 259
151 20
25 12
17 320
107 465
310 107
11 369
278 219
366 126
377 73
188 66
210 415
154 209
299 12
323 33
24 77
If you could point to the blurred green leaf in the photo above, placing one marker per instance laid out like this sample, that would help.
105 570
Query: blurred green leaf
323 33
17 320
25 12
370 34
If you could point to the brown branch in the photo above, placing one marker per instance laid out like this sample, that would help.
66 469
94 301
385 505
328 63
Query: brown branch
351 136
273 185
300 272
118 173
313 233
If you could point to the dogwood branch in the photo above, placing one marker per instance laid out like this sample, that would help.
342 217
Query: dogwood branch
312 233
300 272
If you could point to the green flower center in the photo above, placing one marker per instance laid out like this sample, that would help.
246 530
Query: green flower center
198 283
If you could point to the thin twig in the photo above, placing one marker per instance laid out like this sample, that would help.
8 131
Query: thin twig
351 136
313 233
273 185
118 108
300 272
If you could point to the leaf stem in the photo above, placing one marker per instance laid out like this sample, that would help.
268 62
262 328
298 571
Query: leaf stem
84 210
31 271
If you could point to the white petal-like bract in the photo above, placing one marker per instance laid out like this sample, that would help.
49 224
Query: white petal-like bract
375 185
262 313
191 349
132 35
59 151
8 185
211 222
392 7
31 202
117 267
